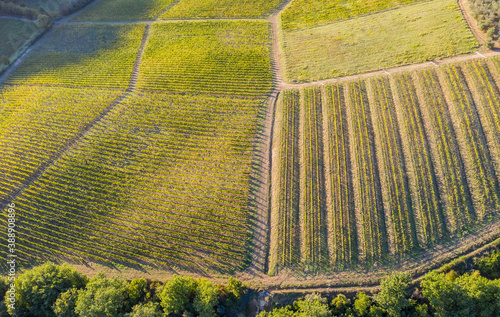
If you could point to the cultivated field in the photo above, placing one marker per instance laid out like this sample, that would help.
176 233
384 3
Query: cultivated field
157 175
162 180
413 33
124 10
409 160
160 135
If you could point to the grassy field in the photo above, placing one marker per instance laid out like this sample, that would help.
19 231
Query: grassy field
221 9
306 13
413 33
410 160
124 10
84 56
208 57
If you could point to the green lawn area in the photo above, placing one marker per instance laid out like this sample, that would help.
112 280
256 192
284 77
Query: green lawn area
124 10
413 33
307 13
84 56
222 9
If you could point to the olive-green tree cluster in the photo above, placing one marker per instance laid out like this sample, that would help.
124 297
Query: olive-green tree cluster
486 13
183 295
439 294
393 300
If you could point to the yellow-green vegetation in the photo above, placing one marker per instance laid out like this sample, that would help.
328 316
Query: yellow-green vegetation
36 122
222 9
307 13
124 10
208 57
85 56
162 180
409 161
413 33
53 7
14 35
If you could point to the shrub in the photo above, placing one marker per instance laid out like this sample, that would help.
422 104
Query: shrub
38 289
489 43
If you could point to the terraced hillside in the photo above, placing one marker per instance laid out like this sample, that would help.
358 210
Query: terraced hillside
410 160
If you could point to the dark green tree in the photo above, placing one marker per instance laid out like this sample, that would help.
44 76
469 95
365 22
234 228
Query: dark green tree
278 312
489 265
206 298
313 305
102 297
145 310
446 297
341 305
362 304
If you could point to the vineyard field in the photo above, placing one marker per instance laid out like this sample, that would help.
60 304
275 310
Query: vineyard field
36 122
14 33
230 58
285 243
162 180
221 9
82 56
407 161
124 10
408 34
307 13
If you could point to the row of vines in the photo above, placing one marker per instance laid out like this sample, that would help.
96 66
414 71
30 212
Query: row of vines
390 166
